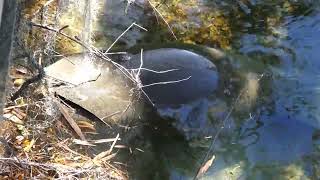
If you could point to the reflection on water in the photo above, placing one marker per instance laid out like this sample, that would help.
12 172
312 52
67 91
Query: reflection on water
289 117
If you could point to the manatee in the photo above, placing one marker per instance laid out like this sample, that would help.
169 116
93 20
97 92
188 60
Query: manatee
191 76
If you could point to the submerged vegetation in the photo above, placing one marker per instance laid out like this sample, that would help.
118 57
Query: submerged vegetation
219 23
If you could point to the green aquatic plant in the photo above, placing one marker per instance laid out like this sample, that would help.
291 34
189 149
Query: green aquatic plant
194 23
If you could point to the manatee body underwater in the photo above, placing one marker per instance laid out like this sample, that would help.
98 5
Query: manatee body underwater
175 76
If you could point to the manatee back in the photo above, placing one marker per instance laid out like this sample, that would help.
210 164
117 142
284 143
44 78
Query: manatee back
190 75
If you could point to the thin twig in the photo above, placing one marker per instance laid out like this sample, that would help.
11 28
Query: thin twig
99 141
154 71
13 107
123 33
112 53
166 82
135 73
110 115
114 143
155 9
76 40
105 153
141 64
72 151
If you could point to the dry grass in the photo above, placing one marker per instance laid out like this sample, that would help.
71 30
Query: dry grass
42 145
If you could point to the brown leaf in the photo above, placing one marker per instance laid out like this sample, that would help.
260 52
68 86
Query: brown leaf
12 118
86 125
205 167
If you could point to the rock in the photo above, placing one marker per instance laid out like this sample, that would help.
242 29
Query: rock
91 83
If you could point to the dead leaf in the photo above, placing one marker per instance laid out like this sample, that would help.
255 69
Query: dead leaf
21 70
13 118
19 101
21 115
205 167
28 145
86 125
23 130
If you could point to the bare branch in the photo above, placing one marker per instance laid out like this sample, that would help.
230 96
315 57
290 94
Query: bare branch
166 82
156 10
154 71
123 33
141 64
